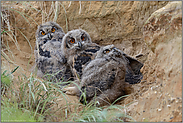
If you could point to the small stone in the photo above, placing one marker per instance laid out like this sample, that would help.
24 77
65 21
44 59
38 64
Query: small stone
151 88
172 99
164 102
180 107
171 117
144 111
168 106
159 109
169 101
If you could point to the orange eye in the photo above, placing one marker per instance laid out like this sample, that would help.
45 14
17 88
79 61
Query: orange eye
82 38
72 40
106 51
53 29
42 33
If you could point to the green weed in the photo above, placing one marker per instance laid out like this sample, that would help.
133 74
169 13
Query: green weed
111 113
11 113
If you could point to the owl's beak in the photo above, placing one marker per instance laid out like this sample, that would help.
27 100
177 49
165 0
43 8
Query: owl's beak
49 36
116 51
79 44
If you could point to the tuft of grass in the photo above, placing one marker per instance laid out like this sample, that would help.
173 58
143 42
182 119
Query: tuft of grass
112 113
33 97
6 80
11 113
9 107
92 113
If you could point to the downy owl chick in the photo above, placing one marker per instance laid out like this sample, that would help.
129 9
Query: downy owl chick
48 54
78 50
103 79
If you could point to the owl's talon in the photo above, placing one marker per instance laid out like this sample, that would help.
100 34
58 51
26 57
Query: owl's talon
70 90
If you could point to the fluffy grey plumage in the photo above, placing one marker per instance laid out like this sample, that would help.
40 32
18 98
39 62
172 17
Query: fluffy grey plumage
48 54
103 79
78 50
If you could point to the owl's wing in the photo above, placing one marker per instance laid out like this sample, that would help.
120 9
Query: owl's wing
110 86
83 58
133 74
97 87
92 47
98 81
117 89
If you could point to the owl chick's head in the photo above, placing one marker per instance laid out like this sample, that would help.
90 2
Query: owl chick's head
109 51
49 30
75 40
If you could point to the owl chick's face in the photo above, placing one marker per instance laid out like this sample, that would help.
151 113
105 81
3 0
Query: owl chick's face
76 40
109 51
48 30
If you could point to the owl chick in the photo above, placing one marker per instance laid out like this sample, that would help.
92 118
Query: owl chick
48 54
103 79
78 50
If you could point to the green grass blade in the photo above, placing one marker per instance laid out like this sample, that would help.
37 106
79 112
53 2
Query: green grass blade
14 70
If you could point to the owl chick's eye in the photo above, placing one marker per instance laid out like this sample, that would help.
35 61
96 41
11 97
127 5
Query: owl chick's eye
72 40
82 38
43 33
106 51
53 29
